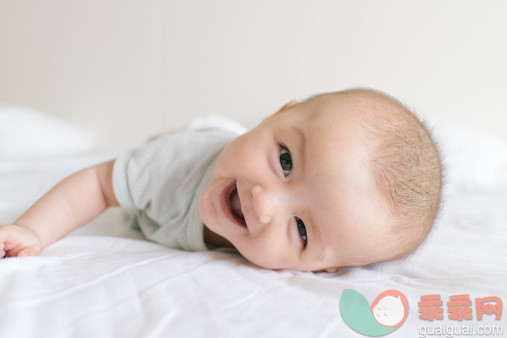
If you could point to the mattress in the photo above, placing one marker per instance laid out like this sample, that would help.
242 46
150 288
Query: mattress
106 280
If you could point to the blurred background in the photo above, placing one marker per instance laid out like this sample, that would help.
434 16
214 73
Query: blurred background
131 69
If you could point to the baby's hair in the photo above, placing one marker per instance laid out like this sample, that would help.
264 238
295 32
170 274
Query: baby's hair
405 163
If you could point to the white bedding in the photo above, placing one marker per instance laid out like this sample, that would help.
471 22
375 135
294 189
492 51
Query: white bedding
104 280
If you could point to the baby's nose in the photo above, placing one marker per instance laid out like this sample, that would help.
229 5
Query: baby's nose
264 203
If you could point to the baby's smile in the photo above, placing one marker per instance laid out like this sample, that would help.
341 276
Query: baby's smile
231 205
235 205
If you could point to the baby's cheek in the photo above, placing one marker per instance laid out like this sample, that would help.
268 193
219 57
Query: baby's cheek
262 256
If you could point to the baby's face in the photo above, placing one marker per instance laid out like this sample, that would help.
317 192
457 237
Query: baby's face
296 192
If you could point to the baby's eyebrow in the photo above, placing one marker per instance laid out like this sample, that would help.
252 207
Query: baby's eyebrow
318 249
319 256
298 137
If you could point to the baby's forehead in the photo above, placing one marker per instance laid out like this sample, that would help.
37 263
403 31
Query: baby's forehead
354 105
328 115
352 121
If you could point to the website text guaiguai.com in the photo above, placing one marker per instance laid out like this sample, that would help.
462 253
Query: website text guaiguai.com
461 330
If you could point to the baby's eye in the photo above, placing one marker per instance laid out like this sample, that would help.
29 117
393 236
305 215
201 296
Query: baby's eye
302 231
286 161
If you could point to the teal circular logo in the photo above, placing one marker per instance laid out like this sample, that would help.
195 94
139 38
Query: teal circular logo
386 314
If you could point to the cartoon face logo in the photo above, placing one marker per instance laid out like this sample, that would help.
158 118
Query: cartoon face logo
387 312
390 308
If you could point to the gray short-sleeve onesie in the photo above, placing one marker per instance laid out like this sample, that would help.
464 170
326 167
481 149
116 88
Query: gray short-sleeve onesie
162 181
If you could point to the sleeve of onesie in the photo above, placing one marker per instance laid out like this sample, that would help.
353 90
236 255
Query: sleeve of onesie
120 184
159 176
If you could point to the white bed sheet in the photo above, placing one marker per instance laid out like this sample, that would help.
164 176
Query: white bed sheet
106 281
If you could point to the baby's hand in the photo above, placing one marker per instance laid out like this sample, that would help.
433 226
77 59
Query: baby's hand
18 241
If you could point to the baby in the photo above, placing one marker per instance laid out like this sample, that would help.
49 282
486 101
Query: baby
341 179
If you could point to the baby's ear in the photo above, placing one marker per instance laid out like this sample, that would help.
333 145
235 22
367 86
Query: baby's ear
287 106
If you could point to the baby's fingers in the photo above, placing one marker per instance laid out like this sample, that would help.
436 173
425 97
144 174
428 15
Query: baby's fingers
30 251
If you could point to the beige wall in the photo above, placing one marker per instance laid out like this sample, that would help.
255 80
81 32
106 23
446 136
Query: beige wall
129 69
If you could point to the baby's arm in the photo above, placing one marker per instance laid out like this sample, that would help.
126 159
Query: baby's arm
72 203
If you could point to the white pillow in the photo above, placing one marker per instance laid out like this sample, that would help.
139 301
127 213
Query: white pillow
473 158
216 121
26 133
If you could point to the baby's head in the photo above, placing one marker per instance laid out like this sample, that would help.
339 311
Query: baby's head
340 179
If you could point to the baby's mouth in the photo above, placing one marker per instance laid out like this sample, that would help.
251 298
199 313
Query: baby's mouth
235 206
